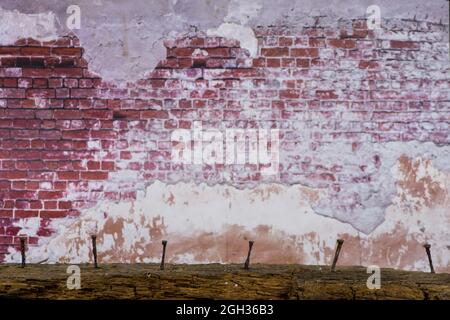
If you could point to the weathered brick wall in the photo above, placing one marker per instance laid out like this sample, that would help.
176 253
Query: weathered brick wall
351 104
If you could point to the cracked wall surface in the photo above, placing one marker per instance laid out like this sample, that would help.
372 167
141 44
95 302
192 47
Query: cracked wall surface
87 116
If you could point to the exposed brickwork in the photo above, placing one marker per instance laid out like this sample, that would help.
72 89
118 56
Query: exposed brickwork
64 131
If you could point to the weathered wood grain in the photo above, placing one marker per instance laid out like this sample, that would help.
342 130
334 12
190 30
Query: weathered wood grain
214 281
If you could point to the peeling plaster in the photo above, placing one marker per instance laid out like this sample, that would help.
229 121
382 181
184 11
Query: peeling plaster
291 222
363 204
17 25
244 35
130 36
212 224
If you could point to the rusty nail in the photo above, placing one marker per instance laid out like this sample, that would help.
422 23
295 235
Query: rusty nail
336 254
22 250
427 247
164 243
94 249
247 261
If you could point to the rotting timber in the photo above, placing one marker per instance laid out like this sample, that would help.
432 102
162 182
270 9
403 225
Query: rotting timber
215 281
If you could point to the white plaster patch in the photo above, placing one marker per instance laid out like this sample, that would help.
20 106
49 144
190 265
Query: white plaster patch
194 209
28 227
16 25
242 11
244 34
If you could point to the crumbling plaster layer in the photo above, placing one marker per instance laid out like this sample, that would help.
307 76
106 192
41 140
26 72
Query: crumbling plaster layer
363 204
212 223
129 35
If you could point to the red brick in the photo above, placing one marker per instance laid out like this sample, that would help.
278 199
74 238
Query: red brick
303 63
94 175
103 134
83 93
126 114
77 52
13 51
273 63
68 175
6 213
71 83
13 231
12 93
50 205
183 124
326 94
55 83
107 165
19 114
26 124
64 205
30 165
86 83
218 52
304 52
26 213
170 124
275 52
35 205
35 51
342 43
49 195
289 94
40 93
10 82
180 52
68 72
317 42
53 214
26 133
285 41
36 73
367 64
60 185
6 239
76 134
44 232
93 165
154 114
396 44
40 83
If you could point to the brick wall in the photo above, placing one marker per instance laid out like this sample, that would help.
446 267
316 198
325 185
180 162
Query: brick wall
66 135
